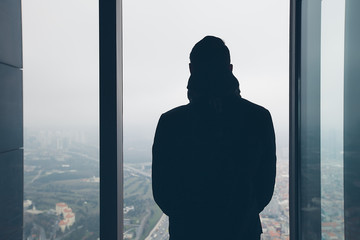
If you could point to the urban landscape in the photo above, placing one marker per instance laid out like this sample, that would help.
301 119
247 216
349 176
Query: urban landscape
137 190
61 196
61 185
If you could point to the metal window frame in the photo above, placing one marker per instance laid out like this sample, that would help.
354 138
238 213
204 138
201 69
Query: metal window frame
294 108
111 110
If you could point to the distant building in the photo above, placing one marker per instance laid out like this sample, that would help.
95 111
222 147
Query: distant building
66 211
34 211
128 235
128 209
59 207
93 179
27 203
63 224
69 216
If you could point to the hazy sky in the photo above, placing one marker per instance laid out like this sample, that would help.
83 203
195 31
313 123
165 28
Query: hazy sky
61 58
60 49
159 35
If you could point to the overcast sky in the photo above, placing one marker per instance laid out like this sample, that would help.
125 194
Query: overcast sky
159 35
60 49
60 39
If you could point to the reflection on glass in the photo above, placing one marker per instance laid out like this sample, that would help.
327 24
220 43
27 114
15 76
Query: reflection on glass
61 149
332 114
351 121
309 121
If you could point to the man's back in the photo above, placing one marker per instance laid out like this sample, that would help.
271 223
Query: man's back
214 168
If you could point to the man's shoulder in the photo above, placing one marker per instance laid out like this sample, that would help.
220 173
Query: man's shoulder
243 106
176 112
253 108
174 117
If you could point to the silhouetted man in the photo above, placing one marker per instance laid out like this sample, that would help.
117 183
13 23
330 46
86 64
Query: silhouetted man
214 159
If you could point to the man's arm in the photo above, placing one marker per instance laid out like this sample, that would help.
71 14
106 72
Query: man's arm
267 167
163 187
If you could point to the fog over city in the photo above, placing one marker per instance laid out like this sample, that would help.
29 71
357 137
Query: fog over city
61 59
158 38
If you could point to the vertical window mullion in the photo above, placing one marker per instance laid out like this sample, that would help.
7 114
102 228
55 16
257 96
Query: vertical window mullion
351 121
111 197
305 188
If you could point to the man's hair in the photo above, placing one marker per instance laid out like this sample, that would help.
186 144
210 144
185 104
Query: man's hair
210 51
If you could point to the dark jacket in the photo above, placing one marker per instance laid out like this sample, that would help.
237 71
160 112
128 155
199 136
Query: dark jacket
214 168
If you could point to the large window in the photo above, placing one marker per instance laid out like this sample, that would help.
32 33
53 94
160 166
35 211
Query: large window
157 40
61 118
324 117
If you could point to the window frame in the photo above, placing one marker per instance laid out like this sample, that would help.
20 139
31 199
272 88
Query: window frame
111 129
111 119
294 148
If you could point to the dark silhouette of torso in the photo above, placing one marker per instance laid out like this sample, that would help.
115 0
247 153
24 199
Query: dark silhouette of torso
214 168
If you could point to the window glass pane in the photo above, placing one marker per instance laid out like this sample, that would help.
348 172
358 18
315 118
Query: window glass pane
321 120
310 197
332 115
158 37
351 121
61 147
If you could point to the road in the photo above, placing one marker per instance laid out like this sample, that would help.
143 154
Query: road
160 231
36 177
82 155
140 229
131 169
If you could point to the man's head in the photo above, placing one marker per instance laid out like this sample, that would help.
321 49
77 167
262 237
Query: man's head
210 52
211 70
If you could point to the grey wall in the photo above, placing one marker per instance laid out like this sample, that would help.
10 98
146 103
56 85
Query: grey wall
11 120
